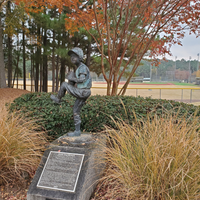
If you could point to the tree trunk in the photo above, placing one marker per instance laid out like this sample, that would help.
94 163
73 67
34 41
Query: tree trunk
114 88
9 51
63 60
41 75
32 70
57 71
57 68
16 71
89 50
53 63
45 65
24 57
62 70
41 70
108 87
17 67
14 77
9 62
2 64
17 78
37 62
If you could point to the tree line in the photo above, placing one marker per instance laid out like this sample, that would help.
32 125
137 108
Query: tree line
114 35
165 67
42 39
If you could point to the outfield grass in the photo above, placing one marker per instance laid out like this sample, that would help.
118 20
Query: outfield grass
164 83
150 89
184 84
147 83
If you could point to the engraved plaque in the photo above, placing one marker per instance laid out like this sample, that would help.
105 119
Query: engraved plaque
61 171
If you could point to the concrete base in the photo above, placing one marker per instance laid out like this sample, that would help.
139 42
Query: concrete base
92 168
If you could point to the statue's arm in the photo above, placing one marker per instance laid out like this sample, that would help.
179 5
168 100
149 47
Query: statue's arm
81 78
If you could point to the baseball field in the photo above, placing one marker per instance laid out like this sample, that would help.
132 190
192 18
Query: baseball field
185 92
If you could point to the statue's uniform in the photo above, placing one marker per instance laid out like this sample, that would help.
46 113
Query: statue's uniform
80 89
79 84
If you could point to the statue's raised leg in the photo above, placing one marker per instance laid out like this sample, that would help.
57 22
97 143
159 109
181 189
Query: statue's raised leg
61 93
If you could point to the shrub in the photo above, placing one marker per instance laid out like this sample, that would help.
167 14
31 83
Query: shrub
20 148
58 119
156 161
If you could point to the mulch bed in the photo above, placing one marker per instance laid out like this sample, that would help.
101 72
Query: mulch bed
7 95
14 191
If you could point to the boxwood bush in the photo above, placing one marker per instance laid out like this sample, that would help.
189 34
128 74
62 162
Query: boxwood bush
96 113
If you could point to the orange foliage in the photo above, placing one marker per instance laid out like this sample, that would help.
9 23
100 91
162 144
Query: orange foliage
142 22
80 14
182 75
128 25
198 73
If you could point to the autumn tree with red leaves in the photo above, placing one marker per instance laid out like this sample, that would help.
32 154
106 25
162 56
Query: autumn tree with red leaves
132 27
127 29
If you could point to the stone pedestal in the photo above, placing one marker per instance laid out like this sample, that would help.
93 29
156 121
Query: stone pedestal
69 169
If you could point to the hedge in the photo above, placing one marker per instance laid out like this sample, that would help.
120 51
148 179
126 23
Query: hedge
96 113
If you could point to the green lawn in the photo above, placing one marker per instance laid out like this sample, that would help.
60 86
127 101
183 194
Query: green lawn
165 83
149 83
186 84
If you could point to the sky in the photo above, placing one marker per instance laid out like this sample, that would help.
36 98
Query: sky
191 47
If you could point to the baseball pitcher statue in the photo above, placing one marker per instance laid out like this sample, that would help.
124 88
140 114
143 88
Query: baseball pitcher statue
79 84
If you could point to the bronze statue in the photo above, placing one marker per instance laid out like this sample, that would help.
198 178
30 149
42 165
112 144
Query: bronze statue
79 84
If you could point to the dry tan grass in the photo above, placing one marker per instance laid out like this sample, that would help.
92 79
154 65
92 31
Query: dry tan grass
157 159
21 147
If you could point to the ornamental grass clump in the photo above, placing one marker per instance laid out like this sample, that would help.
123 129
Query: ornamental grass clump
20 148
155 159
